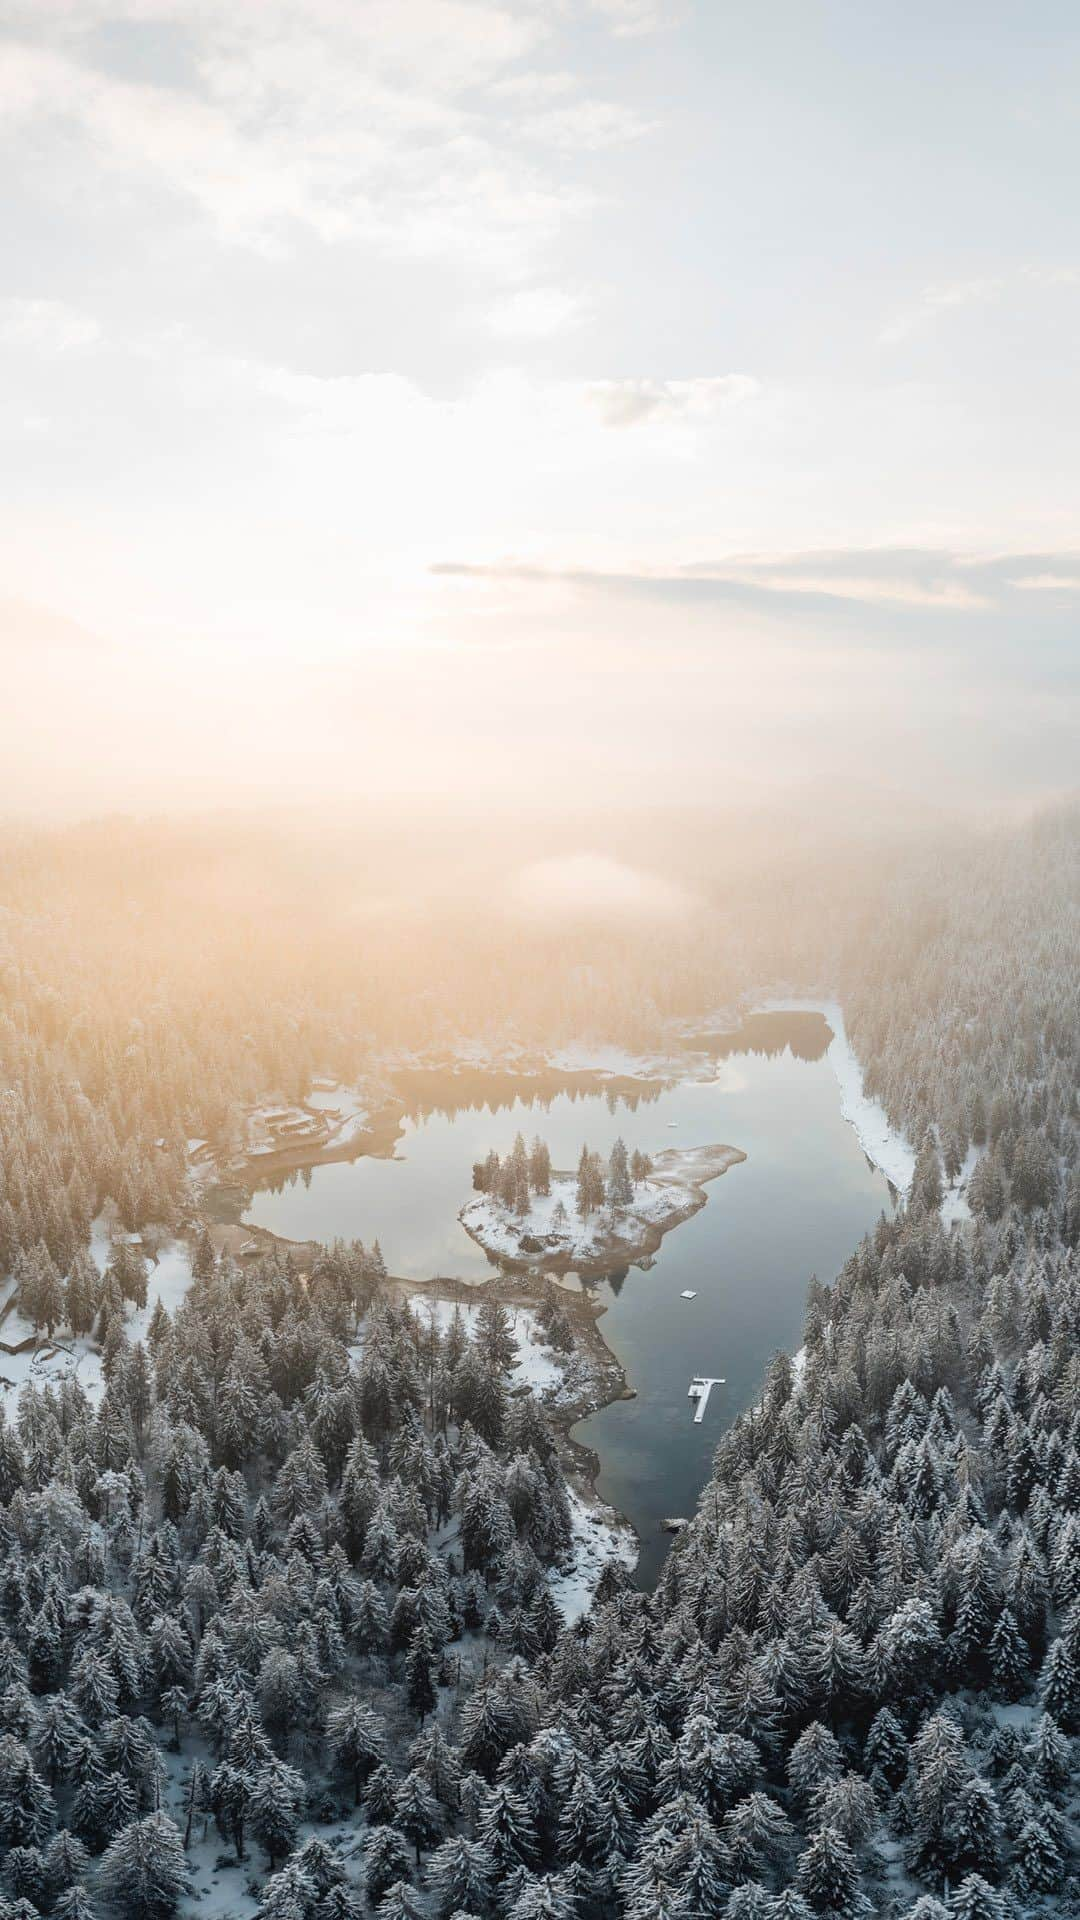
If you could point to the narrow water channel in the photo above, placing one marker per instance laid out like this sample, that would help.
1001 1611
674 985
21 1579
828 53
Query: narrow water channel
798 1205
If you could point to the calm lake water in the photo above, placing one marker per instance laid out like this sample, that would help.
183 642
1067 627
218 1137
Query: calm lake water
798 1205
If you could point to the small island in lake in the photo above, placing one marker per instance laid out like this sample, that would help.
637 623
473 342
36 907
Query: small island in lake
524 1214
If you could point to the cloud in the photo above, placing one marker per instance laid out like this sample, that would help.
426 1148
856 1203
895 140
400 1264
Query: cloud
47 327
1050 276
536 88
1048 583
902 576
704 586
935 301
587 126
378 123
627 403
884 582
436 48
242 180
537 313
629 18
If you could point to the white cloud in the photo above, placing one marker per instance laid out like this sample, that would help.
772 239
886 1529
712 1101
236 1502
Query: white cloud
536 87
1060 276
438 47
632 17
945 595
171 137
45 326
374 122
626 403
537 313
935 301
587 126
1047 583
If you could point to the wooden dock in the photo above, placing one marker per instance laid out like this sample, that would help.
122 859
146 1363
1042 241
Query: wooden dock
699 1389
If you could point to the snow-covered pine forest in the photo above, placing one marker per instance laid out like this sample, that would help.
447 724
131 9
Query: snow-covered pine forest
279 1600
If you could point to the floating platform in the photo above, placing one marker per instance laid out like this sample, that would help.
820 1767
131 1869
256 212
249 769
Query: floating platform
688 1294
699 1389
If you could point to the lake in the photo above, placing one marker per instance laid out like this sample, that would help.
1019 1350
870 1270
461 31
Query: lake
797 1205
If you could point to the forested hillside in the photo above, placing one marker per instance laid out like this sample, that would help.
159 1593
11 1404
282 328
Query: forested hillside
281 1596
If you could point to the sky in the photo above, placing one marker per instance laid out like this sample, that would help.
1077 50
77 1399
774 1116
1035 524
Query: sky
548 401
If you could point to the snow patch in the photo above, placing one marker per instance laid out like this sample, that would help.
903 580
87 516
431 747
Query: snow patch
536 1365
598 1536
608 1061
503 1232
168 1279
955 1206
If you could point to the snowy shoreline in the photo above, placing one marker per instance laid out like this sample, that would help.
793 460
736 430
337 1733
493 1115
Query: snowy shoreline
879 1140
599 1532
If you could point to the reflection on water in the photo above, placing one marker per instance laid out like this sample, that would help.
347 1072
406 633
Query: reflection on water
796 1206
447 1092
806 1035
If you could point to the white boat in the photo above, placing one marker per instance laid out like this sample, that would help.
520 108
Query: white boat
688 1294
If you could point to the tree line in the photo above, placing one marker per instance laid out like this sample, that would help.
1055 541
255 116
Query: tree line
526 1173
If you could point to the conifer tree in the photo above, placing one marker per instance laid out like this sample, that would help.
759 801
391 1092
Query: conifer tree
27 1810
540 1167
417 1813
1038 1867
357 1741
144 1873
974 1899
74 1904
462 1874
620 1187
386 1860
275 1804
1008 1655
828 1878
399 1902
506 1829
977 1829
